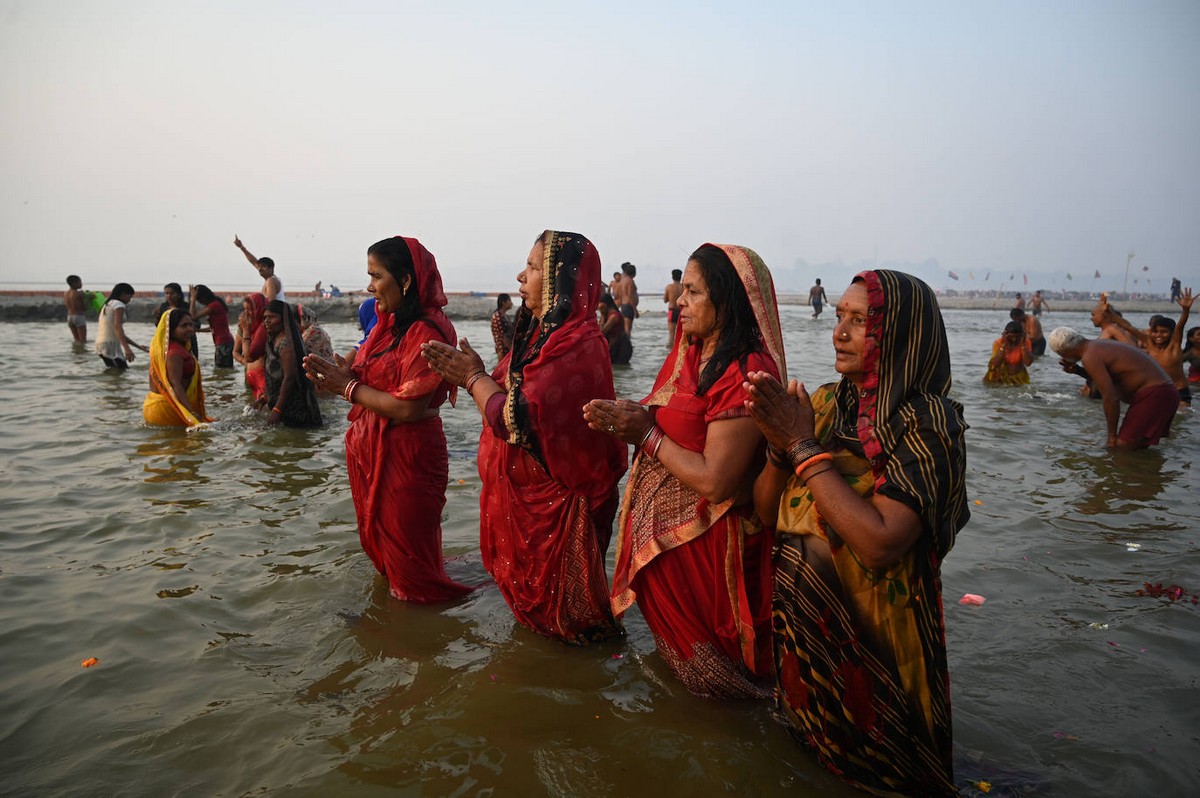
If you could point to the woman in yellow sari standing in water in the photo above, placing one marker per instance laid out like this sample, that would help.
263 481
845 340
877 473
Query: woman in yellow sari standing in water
866 486
176 397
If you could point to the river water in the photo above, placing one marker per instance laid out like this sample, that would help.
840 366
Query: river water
247 646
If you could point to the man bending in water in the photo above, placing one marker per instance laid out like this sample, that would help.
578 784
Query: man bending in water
1122 373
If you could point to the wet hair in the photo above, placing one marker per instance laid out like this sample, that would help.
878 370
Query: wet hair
1163 321
205 296
1014 327
175 315
739 335
501 299
818 281
394 255
606 300
676 274
268 262
1064 338
1016 314
629 269
74 281
120 289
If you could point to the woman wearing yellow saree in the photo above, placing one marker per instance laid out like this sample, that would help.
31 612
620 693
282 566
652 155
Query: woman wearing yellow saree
176 398
866 487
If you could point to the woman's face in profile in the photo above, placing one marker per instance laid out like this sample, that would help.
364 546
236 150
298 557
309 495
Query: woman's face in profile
383 286
531 279
697 313
850 333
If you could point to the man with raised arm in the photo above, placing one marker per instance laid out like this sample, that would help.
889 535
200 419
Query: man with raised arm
272 287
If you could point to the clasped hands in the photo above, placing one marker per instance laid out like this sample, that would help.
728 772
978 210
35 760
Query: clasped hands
784 415
453 365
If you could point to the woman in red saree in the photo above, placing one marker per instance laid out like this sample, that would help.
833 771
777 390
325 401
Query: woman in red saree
549 483
250 344
867 487
395 447
690 551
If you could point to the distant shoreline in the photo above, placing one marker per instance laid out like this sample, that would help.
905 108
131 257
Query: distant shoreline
48 305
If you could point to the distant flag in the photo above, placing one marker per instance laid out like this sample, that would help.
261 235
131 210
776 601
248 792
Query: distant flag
953 276
1012 276
986 276
1097 274
1069 275
1025 277
971 275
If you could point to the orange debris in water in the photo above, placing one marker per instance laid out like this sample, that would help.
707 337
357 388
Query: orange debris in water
89 662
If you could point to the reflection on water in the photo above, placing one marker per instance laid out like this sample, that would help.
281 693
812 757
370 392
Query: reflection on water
246 644
1124 482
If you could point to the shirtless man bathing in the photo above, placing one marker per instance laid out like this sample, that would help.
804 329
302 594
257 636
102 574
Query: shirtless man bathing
1121 373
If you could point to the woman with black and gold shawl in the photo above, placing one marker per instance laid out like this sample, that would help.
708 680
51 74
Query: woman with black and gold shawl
549 483
866 486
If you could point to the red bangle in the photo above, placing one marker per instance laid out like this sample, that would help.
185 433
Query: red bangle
653 441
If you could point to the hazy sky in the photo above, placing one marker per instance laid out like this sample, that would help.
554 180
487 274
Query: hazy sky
136 138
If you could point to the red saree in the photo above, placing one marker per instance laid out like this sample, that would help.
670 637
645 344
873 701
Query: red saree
549 482
701 573
398 471
255 343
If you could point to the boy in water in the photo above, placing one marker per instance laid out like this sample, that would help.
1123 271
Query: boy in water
76 304
1163 341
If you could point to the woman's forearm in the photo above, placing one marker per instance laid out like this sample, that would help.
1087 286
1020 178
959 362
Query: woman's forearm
768 489
405 411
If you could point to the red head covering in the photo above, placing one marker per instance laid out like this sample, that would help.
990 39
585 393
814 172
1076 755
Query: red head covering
258 306
430 298
558 363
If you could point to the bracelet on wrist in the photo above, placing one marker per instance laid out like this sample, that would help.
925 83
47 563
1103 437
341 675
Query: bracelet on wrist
653 441
804 480
473 378
800 450
819 457
778 458
348 391
649 431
